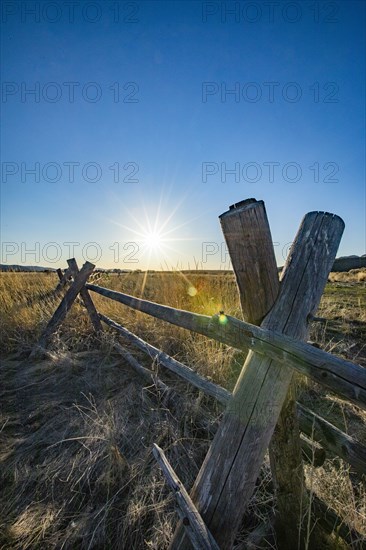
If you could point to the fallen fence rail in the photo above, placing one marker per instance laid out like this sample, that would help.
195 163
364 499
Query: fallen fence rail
196 530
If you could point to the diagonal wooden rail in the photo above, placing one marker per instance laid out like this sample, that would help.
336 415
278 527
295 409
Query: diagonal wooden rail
342 377
88 302
80 279
332 438
194 526
175 366
314 426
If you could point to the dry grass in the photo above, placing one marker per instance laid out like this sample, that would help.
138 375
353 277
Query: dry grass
76 461
352 276
77 428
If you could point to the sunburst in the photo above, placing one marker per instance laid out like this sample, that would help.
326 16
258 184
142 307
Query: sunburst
157 240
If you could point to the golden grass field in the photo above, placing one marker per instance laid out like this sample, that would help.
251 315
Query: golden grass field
77 427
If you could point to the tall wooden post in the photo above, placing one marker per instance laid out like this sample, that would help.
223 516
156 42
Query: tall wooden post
247 233
248 237
227 477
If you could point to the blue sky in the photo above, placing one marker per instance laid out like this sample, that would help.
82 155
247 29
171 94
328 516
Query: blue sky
148 91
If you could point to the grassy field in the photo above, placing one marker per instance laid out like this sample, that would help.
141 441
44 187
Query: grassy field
77 427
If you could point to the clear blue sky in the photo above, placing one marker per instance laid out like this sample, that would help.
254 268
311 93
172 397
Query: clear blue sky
150 94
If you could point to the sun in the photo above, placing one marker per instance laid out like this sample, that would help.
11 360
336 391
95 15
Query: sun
153 240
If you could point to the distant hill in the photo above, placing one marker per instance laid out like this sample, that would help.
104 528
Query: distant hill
345 263
14 267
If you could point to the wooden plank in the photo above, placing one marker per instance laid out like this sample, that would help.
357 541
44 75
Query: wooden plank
63 278
332 438
228 475
248 237
188 374
65 304
146 374
194 526
312 452
342 377
169 396
86 298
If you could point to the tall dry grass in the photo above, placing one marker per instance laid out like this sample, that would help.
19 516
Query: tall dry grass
77 428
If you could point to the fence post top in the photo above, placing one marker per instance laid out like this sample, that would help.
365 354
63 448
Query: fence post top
241 206
335 217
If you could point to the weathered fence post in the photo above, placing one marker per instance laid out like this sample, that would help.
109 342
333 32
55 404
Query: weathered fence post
65 305
63 278
227 477
248 237
88 302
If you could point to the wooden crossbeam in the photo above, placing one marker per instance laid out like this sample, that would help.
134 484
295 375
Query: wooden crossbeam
146 374
86 298
64 278
340 376
314 426
65 305
332 438
188 374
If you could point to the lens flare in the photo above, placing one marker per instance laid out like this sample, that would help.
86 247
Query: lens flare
223 319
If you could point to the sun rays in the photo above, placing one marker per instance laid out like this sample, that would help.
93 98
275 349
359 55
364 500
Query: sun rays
157 240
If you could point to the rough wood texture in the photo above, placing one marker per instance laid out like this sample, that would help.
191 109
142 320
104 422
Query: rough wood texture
222 395
286 457
86 298
66 303
168 396
209 388
354 456
227 477
332 438
194 526
63 278
342 377
285 453
248 238
312 452
146 374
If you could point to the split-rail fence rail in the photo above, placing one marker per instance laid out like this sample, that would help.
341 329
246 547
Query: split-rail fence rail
262 412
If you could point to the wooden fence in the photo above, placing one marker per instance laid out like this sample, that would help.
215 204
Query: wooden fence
262 411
